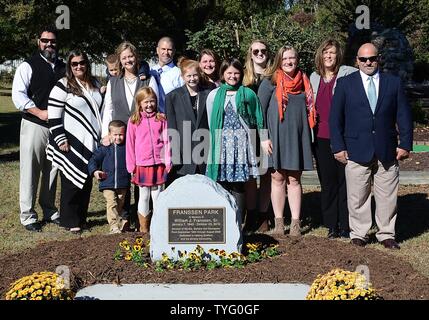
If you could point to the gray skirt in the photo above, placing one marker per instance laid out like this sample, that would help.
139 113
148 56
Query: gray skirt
291 138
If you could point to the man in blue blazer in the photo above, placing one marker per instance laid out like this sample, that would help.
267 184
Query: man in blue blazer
369 110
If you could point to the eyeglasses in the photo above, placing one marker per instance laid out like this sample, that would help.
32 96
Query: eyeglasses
45 40
256 51
76 63
365 59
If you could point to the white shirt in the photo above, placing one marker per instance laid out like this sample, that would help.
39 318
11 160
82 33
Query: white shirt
365 81
21 83
107 112
171 77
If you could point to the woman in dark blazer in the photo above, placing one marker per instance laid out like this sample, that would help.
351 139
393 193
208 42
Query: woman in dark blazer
186 113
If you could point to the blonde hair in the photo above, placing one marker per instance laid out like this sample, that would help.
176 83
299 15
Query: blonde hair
318 59
249 70
142 94
277 64
121 48
185 64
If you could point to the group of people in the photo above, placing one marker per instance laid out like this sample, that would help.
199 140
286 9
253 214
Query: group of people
237 124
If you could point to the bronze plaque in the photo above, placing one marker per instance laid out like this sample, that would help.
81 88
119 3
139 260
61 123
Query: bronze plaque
196 225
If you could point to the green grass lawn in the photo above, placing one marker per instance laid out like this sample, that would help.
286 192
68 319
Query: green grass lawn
14 238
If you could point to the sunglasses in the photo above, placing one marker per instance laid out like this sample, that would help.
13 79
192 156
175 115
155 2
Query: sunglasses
45 40
256 51
365 59
76 63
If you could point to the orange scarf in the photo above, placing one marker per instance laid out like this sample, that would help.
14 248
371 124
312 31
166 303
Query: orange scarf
286 86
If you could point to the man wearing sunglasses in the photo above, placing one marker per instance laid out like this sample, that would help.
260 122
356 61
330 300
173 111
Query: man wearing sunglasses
32 83
369 111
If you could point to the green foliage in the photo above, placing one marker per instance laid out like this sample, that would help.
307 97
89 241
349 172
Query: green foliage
300 30
419 115
219 36
98 26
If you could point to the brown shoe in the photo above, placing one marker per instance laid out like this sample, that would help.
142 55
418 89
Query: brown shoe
279 227
144 223
358 242
390 244
295 228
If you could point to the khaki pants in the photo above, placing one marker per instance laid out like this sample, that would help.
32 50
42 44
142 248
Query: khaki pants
114 204
386 182
34 166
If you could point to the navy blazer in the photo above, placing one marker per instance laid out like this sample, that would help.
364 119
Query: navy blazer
355 129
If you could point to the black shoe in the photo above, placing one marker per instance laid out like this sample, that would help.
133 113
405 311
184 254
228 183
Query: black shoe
55 221
36 227
344 234
332 233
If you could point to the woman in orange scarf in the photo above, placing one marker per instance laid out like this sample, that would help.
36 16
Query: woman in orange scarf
287 101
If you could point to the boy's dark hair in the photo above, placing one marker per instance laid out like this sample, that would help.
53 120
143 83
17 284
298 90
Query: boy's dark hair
117 124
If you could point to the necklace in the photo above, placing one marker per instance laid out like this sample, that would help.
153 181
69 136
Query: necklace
128 84
130 80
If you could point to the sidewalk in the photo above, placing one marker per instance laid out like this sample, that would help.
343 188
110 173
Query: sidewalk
207 291
309 178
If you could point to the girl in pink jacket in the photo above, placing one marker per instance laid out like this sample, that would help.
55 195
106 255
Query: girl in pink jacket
147 152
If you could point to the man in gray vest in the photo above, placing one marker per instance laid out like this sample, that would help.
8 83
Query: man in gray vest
32 84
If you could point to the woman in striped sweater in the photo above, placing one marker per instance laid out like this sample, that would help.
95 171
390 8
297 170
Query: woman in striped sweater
75 129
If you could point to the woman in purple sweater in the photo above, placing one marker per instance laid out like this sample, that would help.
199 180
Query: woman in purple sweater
331 172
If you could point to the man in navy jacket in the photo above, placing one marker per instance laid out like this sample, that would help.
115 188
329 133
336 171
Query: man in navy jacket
369 110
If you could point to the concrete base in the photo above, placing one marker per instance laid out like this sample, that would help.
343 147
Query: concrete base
242 291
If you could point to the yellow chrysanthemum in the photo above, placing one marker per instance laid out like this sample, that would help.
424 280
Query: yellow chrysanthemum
340 284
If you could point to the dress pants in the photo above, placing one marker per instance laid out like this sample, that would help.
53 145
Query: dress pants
33 165
359 178
333 184
74 203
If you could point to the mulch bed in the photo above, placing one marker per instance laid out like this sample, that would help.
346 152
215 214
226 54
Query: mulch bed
91 261
418 161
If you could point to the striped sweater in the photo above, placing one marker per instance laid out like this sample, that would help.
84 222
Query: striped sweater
75 119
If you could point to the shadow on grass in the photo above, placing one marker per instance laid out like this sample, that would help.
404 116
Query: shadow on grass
413 216
311 213
96 218
101 213
9 129
13 156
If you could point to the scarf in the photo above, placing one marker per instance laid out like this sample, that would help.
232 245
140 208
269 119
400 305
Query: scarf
248 107
287 86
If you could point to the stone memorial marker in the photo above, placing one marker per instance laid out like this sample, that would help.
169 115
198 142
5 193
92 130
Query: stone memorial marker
194 210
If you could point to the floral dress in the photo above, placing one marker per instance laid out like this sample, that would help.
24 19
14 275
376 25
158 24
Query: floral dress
235 157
